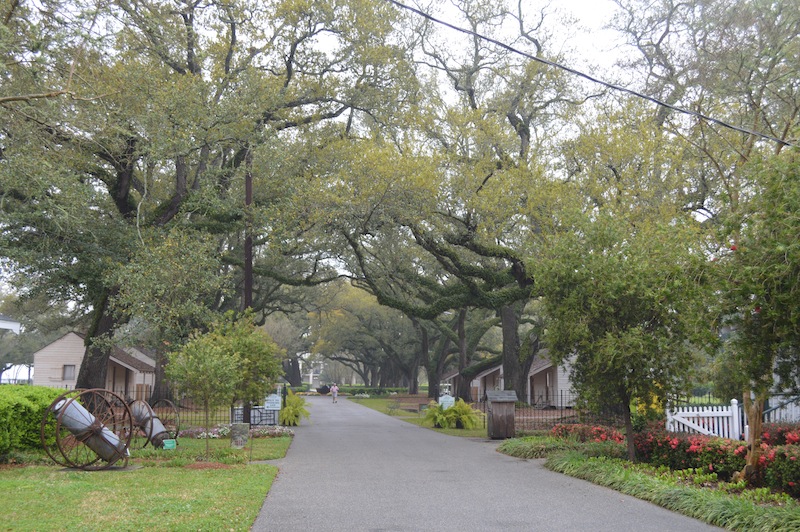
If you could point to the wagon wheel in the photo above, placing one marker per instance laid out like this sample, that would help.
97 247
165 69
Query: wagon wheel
142 429
167 412
153 424
50 425
87 429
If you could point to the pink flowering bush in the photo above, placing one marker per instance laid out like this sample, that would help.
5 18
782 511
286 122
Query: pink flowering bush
684 451
662 448
780 434
584 433
782 469
717 455
780 463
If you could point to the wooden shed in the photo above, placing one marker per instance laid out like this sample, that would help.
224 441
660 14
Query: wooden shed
500 411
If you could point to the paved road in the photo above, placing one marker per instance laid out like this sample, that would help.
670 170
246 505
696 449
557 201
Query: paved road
351 468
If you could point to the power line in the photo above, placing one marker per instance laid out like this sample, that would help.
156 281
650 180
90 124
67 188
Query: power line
594 79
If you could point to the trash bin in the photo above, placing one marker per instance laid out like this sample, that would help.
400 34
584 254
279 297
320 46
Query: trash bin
500 410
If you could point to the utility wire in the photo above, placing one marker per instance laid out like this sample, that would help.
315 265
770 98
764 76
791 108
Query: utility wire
594 79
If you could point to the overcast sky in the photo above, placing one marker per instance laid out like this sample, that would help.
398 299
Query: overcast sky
594 41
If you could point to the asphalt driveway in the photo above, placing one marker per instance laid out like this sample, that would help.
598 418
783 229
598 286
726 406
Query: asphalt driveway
351 468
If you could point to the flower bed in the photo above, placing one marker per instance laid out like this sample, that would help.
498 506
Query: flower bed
224 431
691 451
707 454
584 433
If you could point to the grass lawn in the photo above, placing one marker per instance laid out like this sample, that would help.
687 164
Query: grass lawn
160 490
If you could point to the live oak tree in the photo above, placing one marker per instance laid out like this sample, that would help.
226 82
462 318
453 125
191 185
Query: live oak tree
291 333
168 289
432 220
174 105
377 342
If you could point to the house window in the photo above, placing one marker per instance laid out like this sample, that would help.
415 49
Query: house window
68 373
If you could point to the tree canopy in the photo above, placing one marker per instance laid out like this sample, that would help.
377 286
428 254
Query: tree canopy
149 154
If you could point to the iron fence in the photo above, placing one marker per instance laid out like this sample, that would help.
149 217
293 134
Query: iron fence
555 409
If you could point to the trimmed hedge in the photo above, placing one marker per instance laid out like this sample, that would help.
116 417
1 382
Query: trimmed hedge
22 408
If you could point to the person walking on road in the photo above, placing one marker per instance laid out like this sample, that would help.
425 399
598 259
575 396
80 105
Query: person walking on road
335 392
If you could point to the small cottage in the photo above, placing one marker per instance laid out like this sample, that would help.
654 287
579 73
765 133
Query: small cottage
130 373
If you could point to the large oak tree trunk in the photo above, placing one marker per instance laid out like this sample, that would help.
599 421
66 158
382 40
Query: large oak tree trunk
462 388
161 388
413 377
95 360
291 369
515 363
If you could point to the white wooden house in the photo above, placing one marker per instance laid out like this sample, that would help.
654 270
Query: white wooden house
131 374
9 324
548 384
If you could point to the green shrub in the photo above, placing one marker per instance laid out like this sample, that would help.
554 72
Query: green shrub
459 416
435 415
294 410
782 470
587 433
774 434
718 455
544 446
691 451
22 409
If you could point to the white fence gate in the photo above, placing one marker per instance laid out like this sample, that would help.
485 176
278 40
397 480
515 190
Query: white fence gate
724 421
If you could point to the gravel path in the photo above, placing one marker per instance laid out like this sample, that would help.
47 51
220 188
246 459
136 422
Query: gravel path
351 468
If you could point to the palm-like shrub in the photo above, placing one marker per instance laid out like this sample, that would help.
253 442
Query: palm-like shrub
459 416
294 410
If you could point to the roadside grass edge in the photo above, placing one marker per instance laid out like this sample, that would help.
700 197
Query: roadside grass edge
715 508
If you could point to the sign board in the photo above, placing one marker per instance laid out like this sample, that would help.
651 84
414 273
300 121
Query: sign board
501 396
272 402
239 435
446 401
168 444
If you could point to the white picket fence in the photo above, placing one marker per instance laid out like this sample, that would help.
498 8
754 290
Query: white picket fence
724 421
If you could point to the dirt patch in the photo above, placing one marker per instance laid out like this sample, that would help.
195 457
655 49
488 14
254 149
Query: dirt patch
207 465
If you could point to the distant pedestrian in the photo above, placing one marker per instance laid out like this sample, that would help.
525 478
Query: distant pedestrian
335 392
